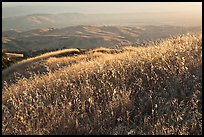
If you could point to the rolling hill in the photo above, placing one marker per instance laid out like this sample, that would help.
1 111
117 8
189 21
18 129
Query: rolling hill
86 37
62 20
156 89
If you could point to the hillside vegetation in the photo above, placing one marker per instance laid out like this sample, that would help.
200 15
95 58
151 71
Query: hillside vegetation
137 90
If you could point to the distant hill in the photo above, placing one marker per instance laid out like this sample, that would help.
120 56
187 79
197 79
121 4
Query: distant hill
36 21
85 36
61 20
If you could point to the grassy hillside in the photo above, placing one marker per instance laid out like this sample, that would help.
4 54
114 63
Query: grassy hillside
137 90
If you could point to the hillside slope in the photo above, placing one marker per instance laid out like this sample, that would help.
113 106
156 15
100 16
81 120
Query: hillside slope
85 36
145 90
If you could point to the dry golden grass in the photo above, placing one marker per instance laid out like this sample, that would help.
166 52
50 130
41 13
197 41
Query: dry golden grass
106 50
46 65
13 55
144 90
20 67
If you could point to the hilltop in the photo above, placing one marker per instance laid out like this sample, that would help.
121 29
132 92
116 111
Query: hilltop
156 89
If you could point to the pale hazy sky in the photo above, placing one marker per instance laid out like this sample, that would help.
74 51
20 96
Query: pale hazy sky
117 7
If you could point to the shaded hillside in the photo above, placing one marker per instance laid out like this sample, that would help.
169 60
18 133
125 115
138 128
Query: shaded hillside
10 58
23 68
7 62
142 90
87 37
53 61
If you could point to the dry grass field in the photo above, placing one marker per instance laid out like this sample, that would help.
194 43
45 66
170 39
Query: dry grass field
151 90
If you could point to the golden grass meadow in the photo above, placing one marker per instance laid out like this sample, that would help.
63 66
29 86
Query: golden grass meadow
151 90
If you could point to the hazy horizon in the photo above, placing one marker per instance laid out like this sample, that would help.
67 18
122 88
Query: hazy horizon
134 13
107 7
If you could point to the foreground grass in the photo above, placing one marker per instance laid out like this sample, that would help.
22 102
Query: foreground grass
50 62
146 90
